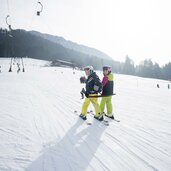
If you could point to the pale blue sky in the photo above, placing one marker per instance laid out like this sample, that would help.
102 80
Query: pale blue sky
139 28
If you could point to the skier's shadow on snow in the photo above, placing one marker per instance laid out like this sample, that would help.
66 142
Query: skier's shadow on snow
74 152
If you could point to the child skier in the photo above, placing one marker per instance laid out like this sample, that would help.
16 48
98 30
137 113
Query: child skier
93 87
107 91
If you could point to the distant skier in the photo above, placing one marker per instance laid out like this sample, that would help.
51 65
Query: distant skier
158 86
168 86
93 87
107 91
0 69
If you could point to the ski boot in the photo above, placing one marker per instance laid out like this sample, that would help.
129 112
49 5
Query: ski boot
100 117
83 116
109 116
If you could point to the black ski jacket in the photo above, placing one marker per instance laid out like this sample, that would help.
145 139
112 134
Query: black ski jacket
93 84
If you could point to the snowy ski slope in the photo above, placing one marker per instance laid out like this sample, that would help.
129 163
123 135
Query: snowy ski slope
40 132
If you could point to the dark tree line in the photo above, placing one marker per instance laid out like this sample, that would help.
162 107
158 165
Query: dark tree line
20 43
146 69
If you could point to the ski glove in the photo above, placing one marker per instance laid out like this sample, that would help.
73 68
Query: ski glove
82 79
83 92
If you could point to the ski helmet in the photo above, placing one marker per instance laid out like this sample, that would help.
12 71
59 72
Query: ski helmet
108 68
89 68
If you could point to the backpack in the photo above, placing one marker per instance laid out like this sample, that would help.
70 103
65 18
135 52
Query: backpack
98 85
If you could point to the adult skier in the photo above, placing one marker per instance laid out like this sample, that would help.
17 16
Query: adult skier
107 91
93 87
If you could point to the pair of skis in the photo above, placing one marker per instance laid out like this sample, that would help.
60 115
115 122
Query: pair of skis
104 121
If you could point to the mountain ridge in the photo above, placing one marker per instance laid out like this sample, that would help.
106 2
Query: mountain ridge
73 45
24 43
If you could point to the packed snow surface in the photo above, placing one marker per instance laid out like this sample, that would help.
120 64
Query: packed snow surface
39 130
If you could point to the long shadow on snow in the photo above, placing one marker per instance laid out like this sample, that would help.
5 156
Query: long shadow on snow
74 151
